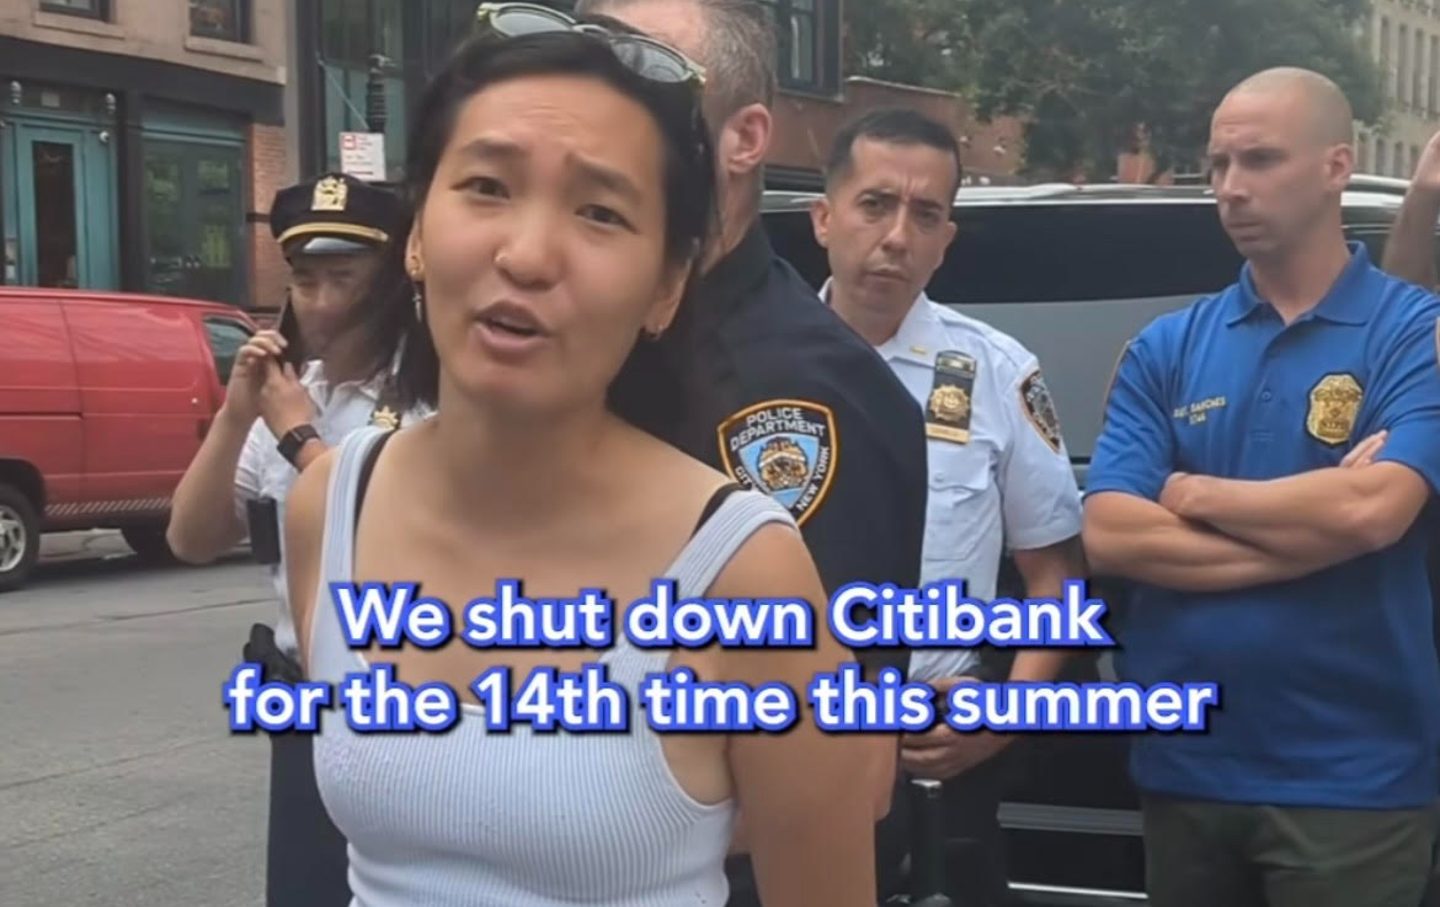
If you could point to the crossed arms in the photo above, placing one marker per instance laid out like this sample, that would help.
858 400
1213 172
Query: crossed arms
1208 534
1197 533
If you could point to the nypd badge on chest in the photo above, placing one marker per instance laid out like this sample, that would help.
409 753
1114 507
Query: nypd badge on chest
951 401
785 448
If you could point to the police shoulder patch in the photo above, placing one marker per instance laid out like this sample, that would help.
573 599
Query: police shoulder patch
785 448
1039 409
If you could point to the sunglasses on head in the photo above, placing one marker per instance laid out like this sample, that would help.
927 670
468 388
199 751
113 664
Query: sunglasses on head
644 56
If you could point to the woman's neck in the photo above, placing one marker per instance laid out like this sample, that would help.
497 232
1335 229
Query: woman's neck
517 469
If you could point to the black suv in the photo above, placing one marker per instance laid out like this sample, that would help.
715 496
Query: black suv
1073 272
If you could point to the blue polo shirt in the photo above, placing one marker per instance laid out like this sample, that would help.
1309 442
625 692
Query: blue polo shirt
1329 686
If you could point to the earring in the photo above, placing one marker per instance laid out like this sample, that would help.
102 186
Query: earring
650 334
419 305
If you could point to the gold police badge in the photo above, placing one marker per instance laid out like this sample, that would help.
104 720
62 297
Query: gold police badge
1334 405
947 412
385 418
330 195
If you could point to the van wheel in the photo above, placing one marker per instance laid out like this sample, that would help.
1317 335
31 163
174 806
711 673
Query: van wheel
19 538
149 543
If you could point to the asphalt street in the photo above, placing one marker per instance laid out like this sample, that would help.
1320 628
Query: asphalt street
120 782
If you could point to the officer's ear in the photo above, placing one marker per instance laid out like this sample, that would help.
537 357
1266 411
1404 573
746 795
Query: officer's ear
744 140
820 220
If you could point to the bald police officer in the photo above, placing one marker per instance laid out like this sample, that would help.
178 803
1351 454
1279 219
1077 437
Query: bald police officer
288 399
1265 455
999 473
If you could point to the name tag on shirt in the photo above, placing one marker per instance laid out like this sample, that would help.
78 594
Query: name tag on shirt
947 413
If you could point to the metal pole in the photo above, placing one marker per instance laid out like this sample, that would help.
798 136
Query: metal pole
375 85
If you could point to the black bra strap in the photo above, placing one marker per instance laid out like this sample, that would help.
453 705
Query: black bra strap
712 505
366 468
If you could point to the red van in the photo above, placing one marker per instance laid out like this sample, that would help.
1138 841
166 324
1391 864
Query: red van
104 400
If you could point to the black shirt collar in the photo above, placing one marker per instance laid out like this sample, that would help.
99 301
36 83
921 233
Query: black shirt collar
744 269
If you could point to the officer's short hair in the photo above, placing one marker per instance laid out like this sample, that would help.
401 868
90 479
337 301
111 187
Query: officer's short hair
900 125
739 51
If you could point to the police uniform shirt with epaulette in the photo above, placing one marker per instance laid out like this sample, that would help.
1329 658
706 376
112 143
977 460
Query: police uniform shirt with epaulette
263 472
794 402
1329 684
999 473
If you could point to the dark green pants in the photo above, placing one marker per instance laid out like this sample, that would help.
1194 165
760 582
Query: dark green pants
1227 855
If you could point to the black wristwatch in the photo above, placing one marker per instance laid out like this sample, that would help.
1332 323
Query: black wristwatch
294 440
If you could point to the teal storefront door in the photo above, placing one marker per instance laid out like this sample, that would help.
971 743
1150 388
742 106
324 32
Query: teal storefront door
196 241
60 200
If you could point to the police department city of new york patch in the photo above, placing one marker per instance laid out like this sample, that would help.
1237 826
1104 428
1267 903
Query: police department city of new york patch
785 448
1040 409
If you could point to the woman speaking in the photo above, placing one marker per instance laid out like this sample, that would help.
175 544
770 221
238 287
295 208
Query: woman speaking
562 187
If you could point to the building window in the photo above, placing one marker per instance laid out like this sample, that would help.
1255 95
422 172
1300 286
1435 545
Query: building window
1402 73
1362 149
1385 51
194 213
806 37
1434 75
1399 162
94 9
224 20
1417 71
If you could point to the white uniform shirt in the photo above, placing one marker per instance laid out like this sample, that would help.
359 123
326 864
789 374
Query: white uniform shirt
1010 486
263 472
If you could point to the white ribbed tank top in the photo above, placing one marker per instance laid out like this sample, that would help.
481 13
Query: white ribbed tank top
519 819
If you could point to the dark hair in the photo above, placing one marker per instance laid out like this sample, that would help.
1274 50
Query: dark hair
899 125
649 390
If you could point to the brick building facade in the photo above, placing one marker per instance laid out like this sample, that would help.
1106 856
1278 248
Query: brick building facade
335 40
806 125
140 141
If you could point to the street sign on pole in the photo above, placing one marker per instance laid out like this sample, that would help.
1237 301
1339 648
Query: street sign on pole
362 155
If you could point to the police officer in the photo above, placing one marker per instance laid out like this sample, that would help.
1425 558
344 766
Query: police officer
1265 454
799 405
1000 476
291 394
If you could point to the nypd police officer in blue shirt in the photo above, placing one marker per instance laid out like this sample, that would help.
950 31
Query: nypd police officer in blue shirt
1000 477
1266 452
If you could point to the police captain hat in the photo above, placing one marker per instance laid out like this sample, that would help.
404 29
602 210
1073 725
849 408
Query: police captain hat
334 214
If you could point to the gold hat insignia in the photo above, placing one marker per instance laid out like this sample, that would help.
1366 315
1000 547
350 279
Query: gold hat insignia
330 195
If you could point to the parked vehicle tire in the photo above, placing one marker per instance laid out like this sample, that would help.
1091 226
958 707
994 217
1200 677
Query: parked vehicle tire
19 537
149 542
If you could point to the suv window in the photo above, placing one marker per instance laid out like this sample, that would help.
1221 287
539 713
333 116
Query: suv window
226 337
1084 252
1056 253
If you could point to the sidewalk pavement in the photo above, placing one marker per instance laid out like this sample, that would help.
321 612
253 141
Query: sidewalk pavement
96 544
87 545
